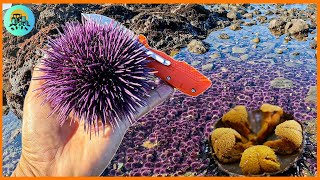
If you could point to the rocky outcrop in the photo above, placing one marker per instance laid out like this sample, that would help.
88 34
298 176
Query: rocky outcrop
167 28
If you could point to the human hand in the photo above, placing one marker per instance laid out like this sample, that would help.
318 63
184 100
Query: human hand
49 149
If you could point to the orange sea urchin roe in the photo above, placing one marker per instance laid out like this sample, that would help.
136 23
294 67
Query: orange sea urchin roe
271 118
237 118
225 145
259 159
290 133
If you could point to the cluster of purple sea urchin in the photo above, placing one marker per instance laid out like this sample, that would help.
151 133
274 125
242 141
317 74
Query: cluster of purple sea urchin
97 72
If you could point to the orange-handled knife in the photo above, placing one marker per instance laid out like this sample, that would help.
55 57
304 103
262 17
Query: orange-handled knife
178 74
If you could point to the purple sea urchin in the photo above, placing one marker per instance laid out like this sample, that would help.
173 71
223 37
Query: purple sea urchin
97 72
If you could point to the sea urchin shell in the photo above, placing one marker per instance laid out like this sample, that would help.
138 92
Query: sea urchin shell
96 71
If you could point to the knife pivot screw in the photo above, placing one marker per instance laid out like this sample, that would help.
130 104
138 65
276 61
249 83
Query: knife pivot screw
168 78
193 90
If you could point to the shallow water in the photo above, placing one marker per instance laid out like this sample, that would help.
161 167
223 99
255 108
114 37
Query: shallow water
11 148
178 128
182 124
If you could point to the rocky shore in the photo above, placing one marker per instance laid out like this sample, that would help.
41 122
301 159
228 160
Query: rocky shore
167 27
252 53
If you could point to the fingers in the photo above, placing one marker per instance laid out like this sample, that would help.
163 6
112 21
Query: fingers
157 96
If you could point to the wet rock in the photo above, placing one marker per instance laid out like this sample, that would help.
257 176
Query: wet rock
248 15
287 39
242 12
235 27
250 7
18 68
269 12
312 25
313 45
290 64
224 36
251 23
207 67
215 56
238 50
256 40
222 24
277 24
312 95
195 63
5 110
279 51
268 45
296 26
262 19
244 57
281 83
233 58
197 47
269 61
295 53
256 12
233 15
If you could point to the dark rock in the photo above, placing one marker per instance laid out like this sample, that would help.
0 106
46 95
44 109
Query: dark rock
248 15
313 45
256 12
224 36
269 12
251 23
262 19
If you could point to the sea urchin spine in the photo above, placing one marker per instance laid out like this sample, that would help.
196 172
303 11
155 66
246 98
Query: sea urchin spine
96 71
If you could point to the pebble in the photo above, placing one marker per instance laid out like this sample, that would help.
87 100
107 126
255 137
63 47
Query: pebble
256 40
215 55
235 27
197 47
224 36
279 51
238 50
207 67
195 63
281 83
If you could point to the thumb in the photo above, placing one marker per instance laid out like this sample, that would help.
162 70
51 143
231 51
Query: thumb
156 97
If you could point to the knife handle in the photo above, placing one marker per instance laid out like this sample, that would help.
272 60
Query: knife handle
180 75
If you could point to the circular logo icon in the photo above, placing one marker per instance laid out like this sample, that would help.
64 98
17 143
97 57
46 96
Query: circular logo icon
19 20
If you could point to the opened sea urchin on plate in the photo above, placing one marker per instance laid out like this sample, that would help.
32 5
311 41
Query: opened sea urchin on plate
284 138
